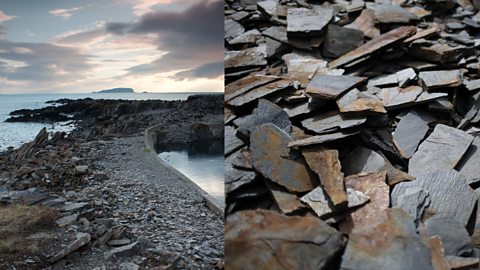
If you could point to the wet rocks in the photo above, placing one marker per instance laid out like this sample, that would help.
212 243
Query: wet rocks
442 149
264 239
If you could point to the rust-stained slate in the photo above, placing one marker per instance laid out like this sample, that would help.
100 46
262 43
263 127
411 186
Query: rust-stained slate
267 240
268 145
355 101
376 44
246 84
259 92
330 86
332 121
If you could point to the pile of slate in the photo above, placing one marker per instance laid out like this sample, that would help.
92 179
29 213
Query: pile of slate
351 136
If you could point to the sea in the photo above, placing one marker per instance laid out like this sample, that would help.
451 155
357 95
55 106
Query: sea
16 134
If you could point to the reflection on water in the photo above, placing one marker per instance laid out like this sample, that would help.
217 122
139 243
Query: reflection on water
202 162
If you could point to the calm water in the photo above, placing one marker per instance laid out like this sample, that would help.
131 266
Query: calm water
15 134
202 163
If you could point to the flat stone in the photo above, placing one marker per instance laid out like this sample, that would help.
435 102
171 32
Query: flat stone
259 92
389 242
410 131
232 142
455 238
423 34
122 251
242 159
393 14
365 22
286 201
247 58
119 242
268 144
414 201
472 114
332 121
374 45
67 220
355 101
439 261
440 53
249 37
330 87
472 85
267 240
362 160
468 166
319 139
235 177
298 109
462 263
396 98
265 112
268 7
75 207
243 85
307 22
302 67
340 40
373 186
321 204
81 240
443 149
449 193
239 16
279 33
81 170
233 29
325 163
440 78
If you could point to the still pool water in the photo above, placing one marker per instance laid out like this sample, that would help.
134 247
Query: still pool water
202 163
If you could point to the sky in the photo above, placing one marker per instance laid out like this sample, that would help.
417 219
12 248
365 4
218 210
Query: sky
75 46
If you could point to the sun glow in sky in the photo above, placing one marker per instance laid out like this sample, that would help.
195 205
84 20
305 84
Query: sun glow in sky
89 45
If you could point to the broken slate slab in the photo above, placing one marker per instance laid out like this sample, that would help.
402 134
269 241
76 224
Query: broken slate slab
268 145
472 85
243 85
286 201
67 220
325 163
449 193
251 57
122 251
362 160
330 86
414 201
373 186
319 139
443 149
389 242
321 204
340 40
393 14
437 251
468 166
302 67
232 142
365 22
440 78
236 178
396 97
410 131
260 92
265 112
233 29
302 22
267 240
374 45
249 37
455 238
332 121
355 101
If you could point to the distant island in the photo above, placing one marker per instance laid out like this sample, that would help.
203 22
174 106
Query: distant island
116 90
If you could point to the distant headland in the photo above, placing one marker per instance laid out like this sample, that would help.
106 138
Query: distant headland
116 90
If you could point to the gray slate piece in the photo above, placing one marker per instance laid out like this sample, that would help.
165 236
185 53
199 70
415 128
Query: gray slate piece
332 121
455 238
469 165
393 14
449 193
265 112
319 139
443 149
234 177
307 22
232 142
330 86
340 40
440 78
411 129
414 201
233 29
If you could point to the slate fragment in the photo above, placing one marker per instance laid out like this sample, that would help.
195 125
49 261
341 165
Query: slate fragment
468 166
442 149
232 142
340 40
374 45
385 13
410 131
267 240
389 242
449 193
302 67
414 201
286 201
246 84
319 139
332 121
365 22
236 178
440 78
396 98
265 112
250 57
307 22
268 144
355 101
259 92
330 87
325 163
439 261
233 29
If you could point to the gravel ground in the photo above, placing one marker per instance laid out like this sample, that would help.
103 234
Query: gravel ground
152 202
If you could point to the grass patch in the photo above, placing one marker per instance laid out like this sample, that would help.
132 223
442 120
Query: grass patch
17 222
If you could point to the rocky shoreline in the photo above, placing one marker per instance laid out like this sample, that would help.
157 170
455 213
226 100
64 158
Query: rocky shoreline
113 205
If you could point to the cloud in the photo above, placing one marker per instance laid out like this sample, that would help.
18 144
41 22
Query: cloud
208 71
187 39
4 17
43 62
81 36
64 13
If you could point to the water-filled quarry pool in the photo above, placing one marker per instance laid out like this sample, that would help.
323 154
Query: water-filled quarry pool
202 162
